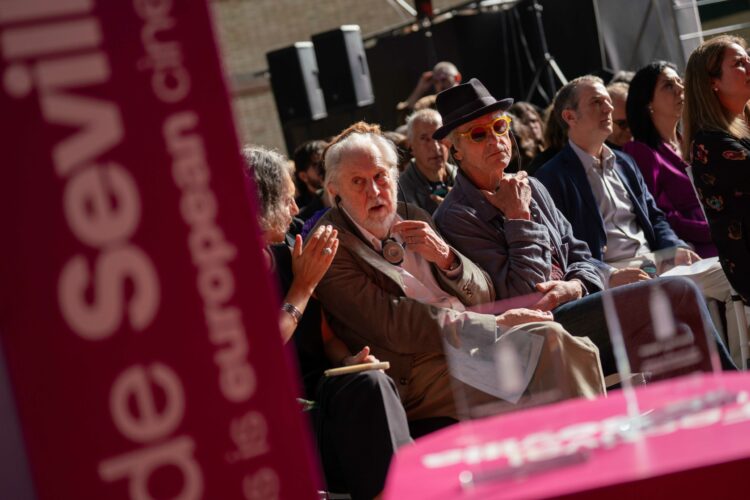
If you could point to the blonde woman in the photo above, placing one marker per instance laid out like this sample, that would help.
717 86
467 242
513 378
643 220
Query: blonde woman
716 125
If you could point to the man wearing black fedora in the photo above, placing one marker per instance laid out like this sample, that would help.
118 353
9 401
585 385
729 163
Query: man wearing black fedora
509 226
397 287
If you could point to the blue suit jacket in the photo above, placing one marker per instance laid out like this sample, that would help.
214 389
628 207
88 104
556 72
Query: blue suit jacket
565 179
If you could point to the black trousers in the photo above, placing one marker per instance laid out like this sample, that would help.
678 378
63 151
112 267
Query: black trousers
585 316
359 424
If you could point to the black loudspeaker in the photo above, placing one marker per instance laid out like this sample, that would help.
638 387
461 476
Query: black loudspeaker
344 74
294 80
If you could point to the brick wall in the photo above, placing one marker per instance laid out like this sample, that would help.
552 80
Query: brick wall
247 29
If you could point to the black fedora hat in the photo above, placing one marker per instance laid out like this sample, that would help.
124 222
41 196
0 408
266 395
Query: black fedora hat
463 103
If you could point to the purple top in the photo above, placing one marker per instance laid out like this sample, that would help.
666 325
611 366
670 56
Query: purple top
666 178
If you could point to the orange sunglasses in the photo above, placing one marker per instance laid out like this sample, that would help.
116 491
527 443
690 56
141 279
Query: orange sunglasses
500 126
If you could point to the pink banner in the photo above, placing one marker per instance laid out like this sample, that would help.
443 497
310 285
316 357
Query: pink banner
138 325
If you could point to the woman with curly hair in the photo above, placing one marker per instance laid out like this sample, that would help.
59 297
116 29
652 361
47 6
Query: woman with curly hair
362 408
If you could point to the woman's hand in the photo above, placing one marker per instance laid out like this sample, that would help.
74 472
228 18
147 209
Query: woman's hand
309 264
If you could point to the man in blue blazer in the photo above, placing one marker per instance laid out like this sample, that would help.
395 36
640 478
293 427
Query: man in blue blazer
604 197
590 183
509 226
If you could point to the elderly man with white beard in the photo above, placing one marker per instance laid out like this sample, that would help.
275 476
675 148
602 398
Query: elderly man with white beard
396 286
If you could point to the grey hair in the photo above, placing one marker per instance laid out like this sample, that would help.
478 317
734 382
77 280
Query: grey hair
428 115
358 138
618 89
567 97
268 169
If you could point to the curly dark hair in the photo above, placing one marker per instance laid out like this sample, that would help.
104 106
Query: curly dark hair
268 170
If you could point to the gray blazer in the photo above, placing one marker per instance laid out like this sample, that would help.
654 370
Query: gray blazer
415 188
515 253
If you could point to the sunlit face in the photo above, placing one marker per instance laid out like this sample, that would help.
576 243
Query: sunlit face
620 130
669 96
734 83
367 190
429 154
285 213
593 118
484 162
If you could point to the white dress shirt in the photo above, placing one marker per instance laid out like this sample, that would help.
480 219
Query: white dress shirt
625 238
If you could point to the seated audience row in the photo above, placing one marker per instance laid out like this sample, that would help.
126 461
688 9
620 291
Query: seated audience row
361 408
603 195
396 286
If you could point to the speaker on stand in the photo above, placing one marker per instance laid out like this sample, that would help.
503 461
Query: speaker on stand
294 80
344 73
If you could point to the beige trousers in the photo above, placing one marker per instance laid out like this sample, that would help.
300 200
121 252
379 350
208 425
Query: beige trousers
568 367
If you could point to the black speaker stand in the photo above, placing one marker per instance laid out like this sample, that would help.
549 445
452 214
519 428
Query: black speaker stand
548 66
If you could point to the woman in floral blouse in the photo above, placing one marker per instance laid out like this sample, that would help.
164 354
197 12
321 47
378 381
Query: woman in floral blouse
716 125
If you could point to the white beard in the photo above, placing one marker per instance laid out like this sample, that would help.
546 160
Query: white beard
380 228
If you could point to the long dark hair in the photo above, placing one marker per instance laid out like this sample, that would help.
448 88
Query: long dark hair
640 94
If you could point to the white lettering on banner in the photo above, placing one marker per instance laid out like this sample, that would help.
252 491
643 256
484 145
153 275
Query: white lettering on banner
590 435
140 466
211 254
101 203
249 434
210 251
170 81
112 270
134 410
92 216
132 390
24 10
47 40
263 485
53 50
99 127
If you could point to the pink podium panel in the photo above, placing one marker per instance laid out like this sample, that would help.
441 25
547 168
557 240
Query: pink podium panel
138 323
694 443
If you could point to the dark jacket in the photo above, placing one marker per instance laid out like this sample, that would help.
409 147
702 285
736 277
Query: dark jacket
414 188
366 304
565 179
517 254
